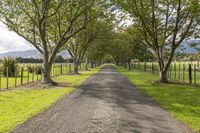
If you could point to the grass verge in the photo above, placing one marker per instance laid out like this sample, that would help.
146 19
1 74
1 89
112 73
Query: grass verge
182 101
16 106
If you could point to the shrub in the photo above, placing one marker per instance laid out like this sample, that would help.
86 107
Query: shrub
10 64
38 70
30 69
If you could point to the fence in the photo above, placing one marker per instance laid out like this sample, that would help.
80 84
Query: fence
188 72
26 74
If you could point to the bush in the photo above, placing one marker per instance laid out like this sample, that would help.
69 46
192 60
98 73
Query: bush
30 69
38 70
10 64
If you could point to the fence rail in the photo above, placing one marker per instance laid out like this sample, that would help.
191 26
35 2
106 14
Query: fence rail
25 73
187 72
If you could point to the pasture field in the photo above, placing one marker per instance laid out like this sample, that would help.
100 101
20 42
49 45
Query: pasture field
178 71
24 76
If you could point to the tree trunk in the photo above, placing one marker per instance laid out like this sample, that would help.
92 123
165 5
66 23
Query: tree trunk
117 63
46 73
163 76
129 65
125 64
92 64
86 64
75 68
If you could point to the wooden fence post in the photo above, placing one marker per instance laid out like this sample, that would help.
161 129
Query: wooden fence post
37 72
0 79
152 68
7 75
28 74
15 77
179 71
175 71
190 73
22 71
183 72
195 76
33 74
170 71
70 68
61 69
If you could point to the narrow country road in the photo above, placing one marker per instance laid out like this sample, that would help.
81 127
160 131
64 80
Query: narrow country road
106 103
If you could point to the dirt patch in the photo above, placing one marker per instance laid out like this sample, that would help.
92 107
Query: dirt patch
40 85
157 82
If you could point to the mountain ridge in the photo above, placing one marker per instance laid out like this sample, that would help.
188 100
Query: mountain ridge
30 54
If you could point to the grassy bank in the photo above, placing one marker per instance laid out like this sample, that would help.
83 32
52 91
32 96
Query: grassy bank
182 101
16 106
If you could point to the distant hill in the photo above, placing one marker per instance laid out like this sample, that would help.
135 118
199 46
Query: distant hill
187 47
30 54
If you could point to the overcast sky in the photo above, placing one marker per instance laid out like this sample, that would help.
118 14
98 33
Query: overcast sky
10 41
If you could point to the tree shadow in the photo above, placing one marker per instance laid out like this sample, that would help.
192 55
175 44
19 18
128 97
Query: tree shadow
143 113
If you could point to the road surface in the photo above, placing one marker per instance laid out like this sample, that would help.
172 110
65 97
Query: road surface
105 103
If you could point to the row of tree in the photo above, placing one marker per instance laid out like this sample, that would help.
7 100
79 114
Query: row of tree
54 25
91 31
162 26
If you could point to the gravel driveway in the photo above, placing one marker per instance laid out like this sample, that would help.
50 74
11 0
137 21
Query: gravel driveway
106 103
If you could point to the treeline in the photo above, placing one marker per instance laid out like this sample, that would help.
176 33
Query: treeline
161 27
58 59
28 60
94 31
52 26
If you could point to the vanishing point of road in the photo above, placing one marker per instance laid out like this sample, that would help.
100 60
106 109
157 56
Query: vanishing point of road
106 103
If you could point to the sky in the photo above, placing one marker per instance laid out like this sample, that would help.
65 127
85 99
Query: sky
10 41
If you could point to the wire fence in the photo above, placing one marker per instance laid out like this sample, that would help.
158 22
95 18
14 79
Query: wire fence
186 72
29 73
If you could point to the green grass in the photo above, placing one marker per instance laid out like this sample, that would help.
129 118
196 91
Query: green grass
31 77
16 106
182 101
175 71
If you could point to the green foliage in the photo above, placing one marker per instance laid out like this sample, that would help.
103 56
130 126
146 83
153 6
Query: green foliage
48 24
35 69
163 24
38 69
9 66
30 69
28 60
59 59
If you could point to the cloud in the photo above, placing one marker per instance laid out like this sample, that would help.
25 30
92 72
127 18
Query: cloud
10 41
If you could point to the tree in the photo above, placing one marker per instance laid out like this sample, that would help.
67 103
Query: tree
79 44
99 46
128 45
59 59
164 23
46 24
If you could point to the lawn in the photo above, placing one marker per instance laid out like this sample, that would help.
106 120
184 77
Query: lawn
31 77
16 106
177 71
182 101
